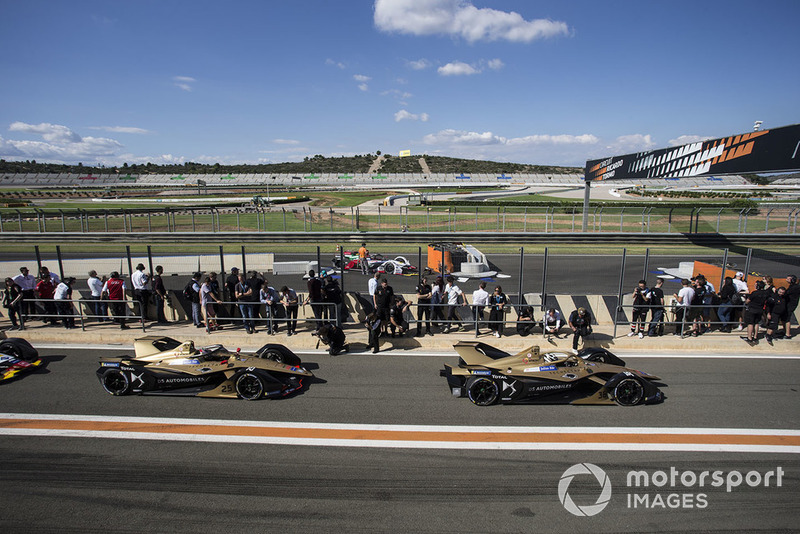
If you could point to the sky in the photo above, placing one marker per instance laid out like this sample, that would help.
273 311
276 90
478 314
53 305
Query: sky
104 82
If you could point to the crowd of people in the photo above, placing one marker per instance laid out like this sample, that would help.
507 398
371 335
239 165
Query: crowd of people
735 306
250 298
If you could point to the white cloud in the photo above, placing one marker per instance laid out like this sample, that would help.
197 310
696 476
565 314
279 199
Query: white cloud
419 64
627 144
363 87
404 115
184 82
333 63
60 144
120 129
495 64
457 68
460 18
686 139
396 93
361 78
286 141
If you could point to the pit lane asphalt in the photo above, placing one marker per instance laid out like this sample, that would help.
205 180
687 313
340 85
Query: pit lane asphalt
110 485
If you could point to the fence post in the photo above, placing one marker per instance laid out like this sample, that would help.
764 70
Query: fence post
504 219
646 263
192 212
149 222
525 219
244 263
149 260
60 262
63 225
379 217
19 218
619 294
130 261
766 227
621 218
747 263
222 275
521 275
38 259
724 267
305 228
543 306
476 218
330 214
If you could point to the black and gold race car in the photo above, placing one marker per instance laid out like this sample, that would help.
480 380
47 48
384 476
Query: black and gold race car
591 376
165 366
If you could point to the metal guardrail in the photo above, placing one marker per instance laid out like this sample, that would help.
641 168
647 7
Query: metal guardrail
511 238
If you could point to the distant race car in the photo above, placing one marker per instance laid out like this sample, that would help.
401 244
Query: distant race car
165 366
399 265
351 261
592 376
17 357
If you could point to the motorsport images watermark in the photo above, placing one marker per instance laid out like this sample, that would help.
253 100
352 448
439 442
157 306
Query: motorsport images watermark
661 489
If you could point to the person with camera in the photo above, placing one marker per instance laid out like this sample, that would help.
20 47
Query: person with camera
640 300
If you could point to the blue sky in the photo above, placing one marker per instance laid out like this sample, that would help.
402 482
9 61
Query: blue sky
543 82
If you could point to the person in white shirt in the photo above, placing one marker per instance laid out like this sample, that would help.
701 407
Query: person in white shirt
743 290
372 285
141 293
480 299
100 309
684 298
63 300
551 322
453 293
27 283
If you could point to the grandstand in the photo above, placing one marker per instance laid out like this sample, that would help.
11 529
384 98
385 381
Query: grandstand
355 180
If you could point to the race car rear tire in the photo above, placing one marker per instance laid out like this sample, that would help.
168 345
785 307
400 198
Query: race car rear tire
628 392
482 391
250 386
115 382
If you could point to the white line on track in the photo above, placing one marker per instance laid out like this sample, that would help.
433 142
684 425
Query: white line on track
405 436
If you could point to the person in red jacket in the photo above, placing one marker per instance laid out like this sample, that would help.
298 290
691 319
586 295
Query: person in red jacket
45 289
115 289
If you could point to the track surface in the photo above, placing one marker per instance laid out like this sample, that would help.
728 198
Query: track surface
120 485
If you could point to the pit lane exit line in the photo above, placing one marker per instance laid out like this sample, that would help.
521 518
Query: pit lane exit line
405 436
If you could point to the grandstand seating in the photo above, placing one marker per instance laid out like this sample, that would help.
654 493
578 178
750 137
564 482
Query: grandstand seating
355 179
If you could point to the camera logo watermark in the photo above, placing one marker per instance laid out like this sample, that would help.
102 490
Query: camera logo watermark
586 510
663 489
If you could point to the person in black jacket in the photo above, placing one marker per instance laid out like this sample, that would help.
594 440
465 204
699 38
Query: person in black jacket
12 301
656 299
580 321
792 299
776 312
725 310
753 310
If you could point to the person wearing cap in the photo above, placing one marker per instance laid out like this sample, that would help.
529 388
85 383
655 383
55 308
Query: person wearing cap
27 283
63 300
580 321
792 299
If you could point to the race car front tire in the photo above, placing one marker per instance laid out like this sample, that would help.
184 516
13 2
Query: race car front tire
250 386
115 382
628 392
274 355
482 391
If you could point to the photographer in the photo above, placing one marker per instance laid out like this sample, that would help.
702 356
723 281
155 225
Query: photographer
640 300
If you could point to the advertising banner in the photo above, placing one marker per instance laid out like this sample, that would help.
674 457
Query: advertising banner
762 151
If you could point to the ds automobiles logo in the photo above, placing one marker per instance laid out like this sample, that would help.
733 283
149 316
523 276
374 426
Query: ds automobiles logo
591 509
